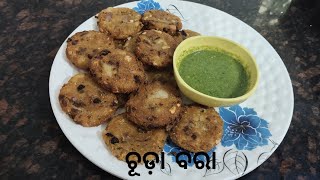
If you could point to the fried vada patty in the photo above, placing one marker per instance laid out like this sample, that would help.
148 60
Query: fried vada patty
120 23
85 102
154 105
199 129
122 136
85 45
118 71
162 21
155 48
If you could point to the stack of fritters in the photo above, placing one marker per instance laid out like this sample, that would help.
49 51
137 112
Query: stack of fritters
128 63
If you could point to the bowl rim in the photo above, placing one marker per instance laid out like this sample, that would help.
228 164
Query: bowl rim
228 100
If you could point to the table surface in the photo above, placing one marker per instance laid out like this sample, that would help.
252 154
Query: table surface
31 32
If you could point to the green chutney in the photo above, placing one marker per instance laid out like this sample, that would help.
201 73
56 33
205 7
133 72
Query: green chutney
215 73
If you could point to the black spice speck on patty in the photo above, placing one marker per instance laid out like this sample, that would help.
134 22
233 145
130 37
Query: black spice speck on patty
184 34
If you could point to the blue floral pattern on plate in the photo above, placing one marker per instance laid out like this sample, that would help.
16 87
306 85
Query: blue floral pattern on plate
172 150
243 128
146 5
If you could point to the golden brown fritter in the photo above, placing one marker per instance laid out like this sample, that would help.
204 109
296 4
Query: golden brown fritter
118 71
120 23
199 129
85 102
162 21
155 48
83 46
122 136
154 105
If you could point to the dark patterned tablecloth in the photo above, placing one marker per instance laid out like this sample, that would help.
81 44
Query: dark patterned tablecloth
31 32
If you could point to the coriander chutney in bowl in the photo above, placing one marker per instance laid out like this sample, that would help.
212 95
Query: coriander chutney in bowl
215 71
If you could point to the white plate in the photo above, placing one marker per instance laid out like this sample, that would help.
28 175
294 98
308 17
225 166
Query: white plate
238 153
